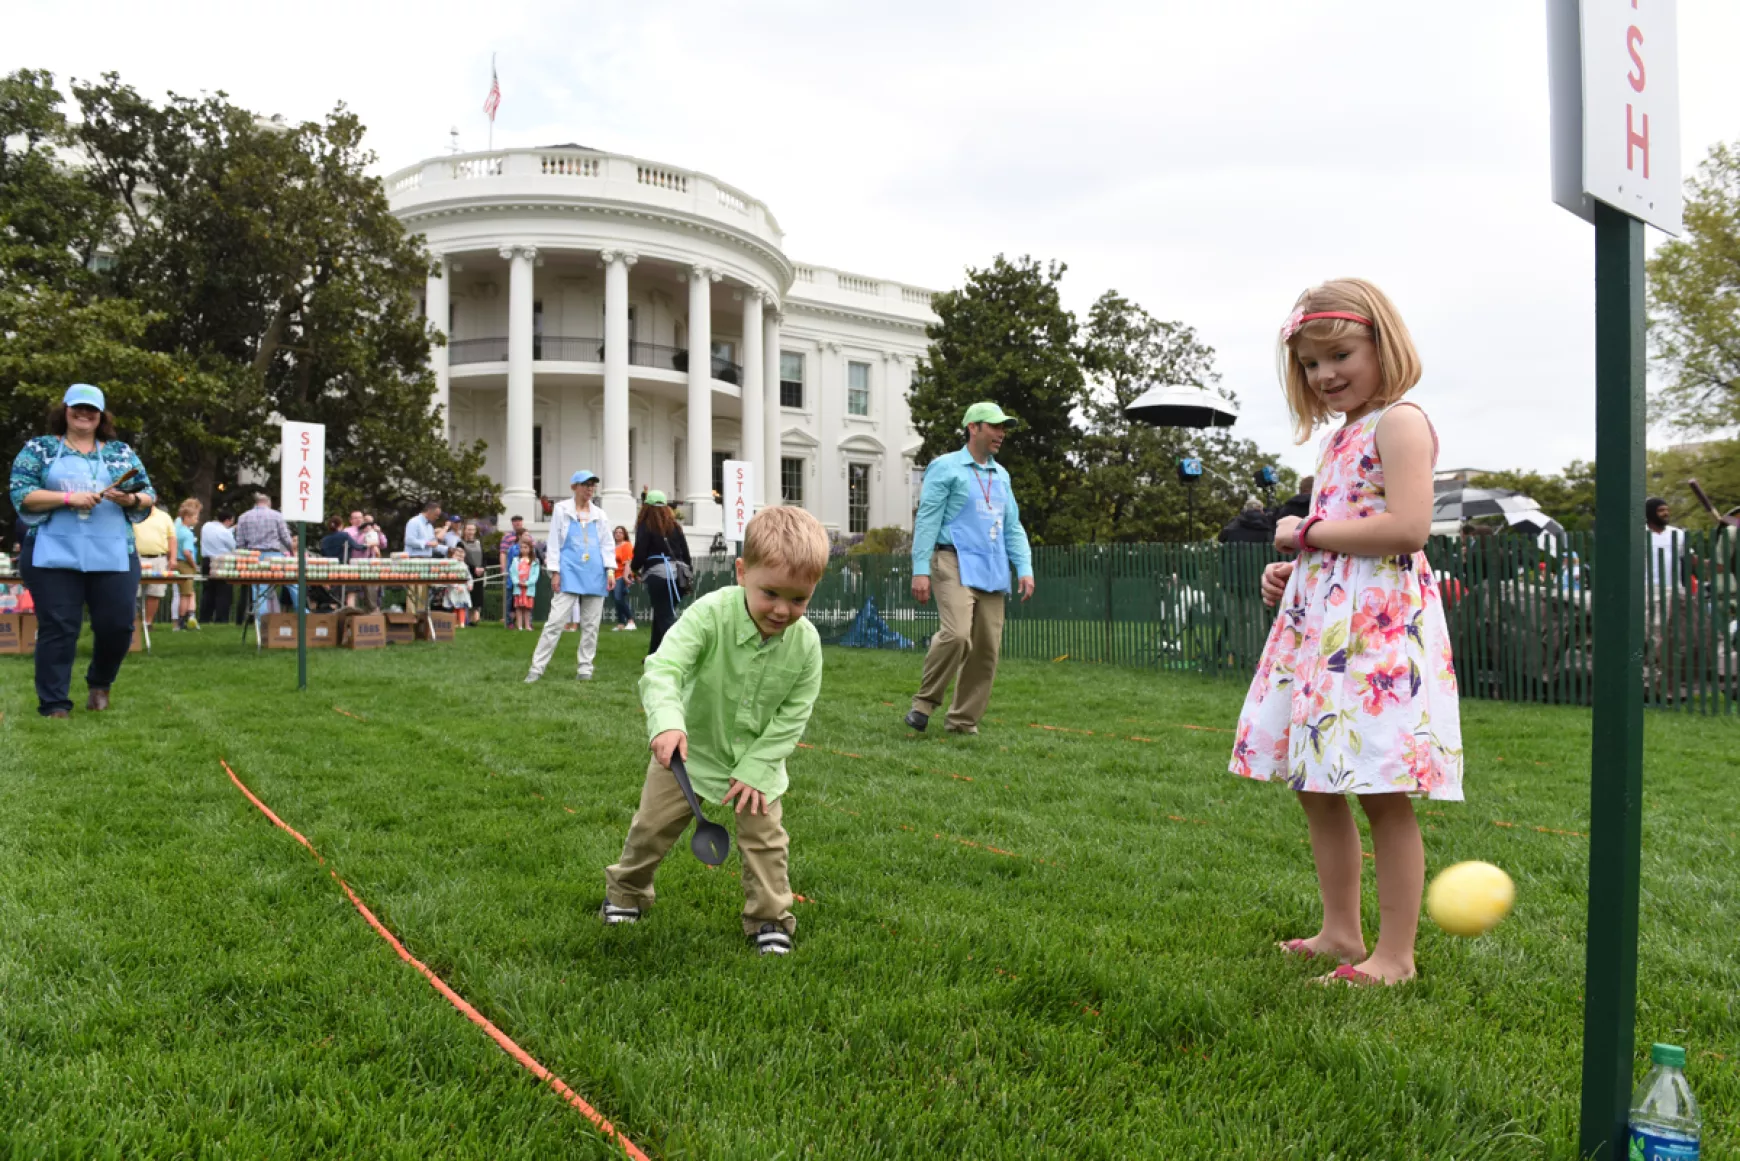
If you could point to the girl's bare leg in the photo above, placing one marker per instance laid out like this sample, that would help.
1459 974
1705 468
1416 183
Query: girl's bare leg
1336 851
1401 878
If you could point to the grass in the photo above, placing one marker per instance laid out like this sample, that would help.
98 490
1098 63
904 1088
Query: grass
1032 943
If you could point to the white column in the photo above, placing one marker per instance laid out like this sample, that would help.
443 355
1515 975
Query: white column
703 513
770 410
516 491
435 308
754 429
617 498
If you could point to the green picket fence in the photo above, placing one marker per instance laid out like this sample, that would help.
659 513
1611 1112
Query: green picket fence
1520 616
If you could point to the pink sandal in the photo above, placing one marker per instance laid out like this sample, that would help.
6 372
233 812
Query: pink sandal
1299 947
1353 977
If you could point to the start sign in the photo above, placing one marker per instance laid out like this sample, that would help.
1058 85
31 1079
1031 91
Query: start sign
738 498
302 495
1614 75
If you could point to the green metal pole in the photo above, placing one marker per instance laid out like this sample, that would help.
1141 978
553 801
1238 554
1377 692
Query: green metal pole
301 605
1616 782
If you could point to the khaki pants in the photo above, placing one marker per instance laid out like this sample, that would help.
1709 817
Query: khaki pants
664 816
417 599
561 606
968 644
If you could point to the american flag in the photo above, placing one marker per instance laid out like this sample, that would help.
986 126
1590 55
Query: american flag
492 102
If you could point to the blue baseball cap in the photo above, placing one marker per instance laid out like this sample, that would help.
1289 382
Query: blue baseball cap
86 394
582 477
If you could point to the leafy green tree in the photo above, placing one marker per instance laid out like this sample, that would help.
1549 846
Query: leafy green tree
1006 337
1694 298
220 271
1128 487
1568 497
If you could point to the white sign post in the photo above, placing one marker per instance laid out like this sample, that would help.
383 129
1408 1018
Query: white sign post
739 498
1616 163
302 498
302 495
1613 75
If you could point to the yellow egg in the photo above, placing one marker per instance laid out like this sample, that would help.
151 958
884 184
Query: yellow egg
1470 898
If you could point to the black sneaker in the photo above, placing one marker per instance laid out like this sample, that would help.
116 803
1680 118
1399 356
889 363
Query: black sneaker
917 720
772 939
612 914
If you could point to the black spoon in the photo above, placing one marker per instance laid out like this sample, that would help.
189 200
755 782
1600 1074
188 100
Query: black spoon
711 842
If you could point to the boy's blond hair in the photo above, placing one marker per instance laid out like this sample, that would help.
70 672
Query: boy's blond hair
787 538
1397 358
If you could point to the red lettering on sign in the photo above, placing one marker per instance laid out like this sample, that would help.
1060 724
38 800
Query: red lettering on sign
1633 40
307 438
1635 141
305 474
302 489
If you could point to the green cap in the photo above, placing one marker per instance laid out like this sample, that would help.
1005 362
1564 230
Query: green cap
655 497
987 412
1670 1055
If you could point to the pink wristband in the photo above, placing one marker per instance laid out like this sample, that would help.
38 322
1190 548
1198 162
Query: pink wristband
1305 526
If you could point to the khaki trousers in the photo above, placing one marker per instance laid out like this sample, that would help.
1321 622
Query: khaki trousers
664 816
562 607
968 643
417 599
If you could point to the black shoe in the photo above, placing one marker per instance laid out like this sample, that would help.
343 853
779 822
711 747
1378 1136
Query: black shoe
772 939
917 720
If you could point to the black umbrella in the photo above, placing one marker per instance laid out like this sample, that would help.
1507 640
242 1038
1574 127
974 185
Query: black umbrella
1461 503
1182 405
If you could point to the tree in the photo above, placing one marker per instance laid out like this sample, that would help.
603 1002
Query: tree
1694 298
249 270
1128 484
1006 337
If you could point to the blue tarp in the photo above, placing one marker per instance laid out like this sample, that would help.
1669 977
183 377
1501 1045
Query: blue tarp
869 631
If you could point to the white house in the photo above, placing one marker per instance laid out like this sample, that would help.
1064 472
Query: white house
643 321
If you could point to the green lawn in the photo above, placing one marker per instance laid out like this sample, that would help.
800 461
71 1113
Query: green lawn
1032 943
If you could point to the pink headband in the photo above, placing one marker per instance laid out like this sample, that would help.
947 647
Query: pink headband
1299 318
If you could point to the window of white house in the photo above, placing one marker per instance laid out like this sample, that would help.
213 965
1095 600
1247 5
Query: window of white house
857 498
791 379
791 481
857 388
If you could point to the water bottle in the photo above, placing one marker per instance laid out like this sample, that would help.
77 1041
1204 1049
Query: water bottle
1664 1118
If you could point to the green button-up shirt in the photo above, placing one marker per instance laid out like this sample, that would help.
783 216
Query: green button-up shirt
742 701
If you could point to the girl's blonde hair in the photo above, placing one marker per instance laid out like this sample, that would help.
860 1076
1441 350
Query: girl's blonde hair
189 508
1398 361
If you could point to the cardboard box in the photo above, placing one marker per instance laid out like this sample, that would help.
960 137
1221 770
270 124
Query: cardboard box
401 628
10 632
443 623
323 630
365 631
279 630
27 633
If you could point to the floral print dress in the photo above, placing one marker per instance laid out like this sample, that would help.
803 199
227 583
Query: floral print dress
1356 691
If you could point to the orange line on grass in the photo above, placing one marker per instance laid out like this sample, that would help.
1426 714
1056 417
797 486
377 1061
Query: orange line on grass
501 1038
348 714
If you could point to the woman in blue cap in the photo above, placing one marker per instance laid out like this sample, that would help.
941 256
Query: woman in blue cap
79 491
577 557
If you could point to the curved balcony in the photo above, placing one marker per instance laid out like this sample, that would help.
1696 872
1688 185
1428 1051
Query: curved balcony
570 349
504 177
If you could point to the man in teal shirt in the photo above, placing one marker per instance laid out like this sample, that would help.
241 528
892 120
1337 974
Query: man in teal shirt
967 536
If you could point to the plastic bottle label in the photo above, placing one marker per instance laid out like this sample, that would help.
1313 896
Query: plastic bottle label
1648 1146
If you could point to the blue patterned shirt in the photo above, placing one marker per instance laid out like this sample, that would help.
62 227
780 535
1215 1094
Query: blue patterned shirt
33 460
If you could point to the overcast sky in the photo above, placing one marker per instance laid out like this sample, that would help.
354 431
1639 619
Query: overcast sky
1208 161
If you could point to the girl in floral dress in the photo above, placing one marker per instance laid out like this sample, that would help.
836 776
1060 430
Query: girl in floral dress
1355 693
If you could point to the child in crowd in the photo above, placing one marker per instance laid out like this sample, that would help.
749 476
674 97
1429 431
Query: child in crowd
1355 692
730 689
459 596
523 573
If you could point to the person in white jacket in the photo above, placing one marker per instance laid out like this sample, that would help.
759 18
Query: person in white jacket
578 556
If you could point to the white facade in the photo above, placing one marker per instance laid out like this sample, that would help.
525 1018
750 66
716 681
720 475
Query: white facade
642 321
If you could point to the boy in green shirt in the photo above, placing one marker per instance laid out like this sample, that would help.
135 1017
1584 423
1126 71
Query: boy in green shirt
731 689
